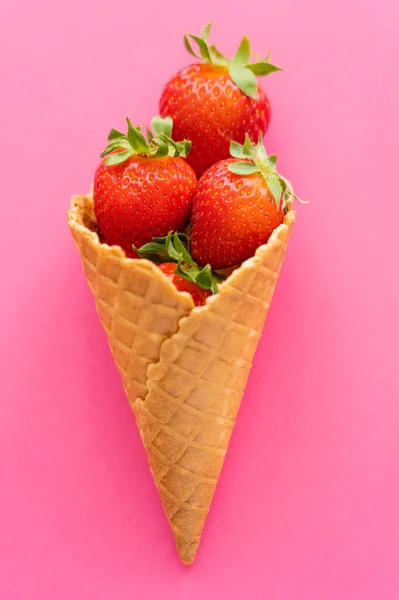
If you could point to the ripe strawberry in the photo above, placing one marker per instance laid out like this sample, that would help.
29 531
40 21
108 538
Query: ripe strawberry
142 188
180 267
237 204
198 294
217 101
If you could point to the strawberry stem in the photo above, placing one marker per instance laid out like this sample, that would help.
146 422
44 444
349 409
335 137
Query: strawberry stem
241 70
175 248
158 143
257 161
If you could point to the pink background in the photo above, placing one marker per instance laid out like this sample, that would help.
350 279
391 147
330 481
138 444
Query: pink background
307 505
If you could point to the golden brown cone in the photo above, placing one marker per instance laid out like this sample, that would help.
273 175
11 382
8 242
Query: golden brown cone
184 369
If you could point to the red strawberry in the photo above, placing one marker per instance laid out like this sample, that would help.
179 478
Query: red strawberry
142 188
198 294
216 102
180 267
237 204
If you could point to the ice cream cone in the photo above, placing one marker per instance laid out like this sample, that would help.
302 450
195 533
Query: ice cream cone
184 369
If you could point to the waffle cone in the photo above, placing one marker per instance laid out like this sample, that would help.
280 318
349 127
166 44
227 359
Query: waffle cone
184 369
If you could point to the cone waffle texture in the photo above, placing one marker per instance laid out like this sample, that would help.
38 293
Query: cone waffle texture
184 369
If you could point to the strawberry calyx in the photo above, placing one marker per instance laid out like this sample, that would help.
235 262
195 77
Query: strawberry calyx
156 144
199 295
241 69
257 161
175 248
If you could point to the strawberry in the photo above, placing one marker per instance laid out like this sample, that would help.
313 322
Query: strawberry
198 294
143 187
217 101
237 204
180 267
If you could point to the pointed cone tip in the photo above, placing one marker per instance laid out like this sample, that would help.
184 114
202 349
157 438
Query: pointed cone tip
187 552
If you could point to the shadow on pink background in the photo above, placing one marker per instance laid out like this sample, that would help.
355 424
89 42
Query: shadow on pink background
307 505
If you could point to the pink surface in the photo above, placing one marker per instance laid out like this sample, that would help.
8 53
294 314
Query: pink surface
307 505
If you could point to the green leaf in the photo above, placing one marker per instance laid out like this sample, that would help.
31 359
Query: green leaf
263 68
151 248
216 280
236 150
206 31
243 168
162 150
260 149
162 126
217 57
161 240
189 274
244 79
243 53
176 148
114 134
204 278
121 143
150 137
136 139
171 250
173 247
248 148
189 47
182 250
272 161
185 147
274 185
119 157
185 239
203 46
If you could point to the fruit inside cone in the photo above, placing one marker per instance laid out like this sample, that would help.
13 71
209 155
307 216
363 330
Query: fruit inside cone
143 187
175 249
237 205
199 295
144 192
217 100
